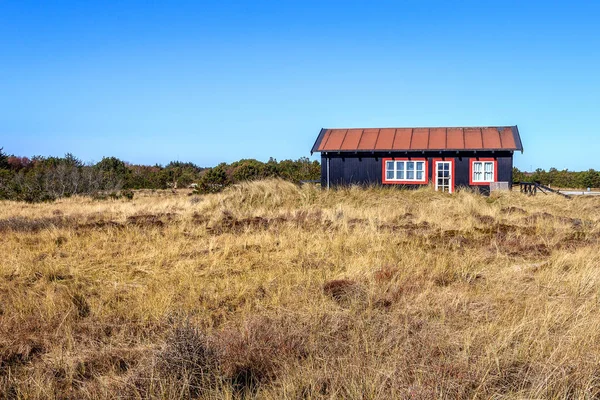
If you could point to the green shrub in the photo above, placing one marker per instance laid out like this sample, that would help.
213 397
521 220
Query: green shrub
128 194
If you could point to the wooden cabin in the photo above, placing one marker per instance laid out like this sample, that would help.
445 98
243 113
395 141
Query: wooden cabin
446 158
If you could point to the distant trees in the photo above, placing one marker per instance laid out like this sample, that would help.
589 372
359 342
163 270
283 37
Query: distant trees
224 174
47 178
564 179
181 174
5 174
214 180
113 172
3 159
42 179
591 178
145 177
518 176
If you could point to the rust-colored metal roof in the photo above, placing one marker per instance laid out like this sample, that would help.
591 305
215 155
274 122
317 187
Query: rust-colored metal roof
419 139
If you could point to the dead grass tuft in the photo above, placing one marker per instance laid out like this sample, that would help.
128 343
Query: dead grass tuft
150 220
32 225
189 359
344 291
241 358
513 210
256 353
21 343
386 273
81 305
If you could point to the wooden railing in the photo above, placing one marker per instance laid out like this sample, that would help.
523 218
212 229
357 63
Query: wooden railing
531 188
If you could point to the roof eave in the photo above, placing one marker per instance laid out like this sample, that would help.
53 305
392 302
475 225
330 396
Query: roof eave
317 143
517 136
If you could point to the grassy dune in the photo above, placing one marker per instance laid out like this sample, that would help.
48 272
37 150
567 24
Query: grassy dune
273 291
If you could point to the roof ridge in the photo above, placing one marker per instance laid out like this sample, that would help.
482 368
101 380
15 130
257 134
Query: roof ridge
428 127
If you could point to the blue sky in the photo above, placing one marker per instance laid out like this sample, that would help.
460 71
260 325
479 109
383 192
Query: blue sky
151 82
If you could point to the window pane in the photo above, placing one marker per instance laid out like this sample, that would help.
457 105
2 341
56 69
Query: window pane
420 175
410 174
420 165
400 165
489 171
410 165
489 174
389 165
477 171
389 175
399 174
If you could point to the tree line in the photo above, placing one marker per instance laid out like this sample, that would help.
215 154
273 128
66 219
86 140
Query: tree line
40 178
562 179
48 178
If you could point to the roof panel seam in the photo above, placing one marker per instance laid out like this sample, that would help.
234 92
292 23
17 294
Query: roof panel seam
500 136
324 145
362 133
481 135
344 139
446 141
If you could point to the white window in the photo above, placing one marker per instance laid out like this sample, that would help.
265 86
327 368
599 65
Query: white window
483 171
405 171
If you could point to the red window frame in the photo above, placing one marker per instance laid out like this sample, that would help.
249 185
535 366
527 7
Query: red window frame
434 173
473 160
404 182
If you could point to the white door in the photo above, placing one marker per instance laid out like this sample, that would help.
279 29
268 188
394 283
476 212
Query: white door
443 176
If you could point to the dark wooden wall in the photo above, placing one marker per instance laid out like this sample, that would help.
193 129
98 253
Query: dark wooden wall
366 168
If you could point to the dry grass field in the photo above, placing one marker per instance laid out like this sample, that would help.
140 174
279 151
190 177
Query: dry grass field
270 291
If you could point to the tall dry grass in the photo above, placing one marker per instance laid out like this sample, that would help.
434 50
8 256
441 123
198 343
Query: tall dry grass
270 290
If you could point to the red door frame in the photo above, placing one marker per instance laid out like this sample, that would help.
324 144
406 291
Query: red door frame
434 175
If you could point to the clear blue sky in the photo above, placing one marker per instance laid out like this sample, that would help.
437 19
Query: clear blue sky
151 82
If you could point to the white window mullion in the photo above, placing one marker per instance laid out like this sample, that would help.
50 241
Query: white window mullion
483 171
405 170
